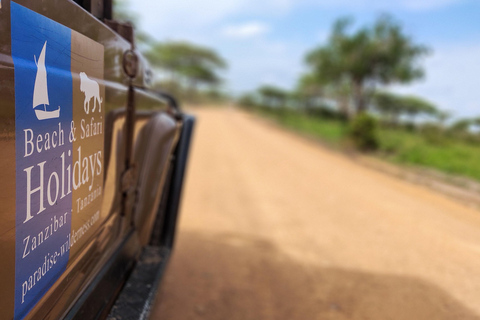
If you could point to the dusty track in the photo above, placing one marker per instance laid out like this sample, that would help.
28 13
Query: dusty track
276 227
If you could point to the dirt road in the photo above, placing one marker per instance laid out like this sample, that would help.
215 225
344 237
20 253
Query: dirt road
277 227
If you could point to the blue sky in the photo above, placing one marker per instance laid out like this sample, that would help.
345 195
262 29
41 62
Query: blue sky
265 41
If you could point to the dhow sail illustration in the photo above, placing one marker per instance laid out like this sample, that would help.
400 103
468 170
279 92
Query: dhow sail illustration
40 92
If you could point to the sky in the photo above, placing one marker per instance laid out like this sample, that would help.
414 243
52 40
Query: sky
264 42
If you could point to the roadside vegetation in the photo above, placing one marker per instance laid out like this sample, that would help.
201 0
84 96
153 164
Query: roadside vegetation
343 99
190 72
446 151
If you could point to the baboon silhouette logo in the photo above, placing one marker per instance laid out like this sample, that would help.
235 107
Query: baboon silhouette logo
91 89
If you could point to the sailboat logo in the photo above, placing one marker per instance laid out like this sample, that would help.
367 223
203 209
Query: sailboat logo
40 92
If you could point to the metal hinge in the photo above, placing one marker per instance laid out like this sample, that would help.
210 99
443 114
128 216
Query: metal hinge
130 63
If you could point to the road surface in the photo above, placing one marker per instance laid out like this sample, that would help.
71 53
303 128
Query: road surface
274 226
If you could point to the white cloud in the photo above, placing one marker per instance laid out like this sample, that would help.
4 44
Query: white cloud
169 17
246 30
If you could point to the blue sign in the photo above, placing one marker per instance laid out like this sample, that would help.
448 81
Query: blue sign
41 51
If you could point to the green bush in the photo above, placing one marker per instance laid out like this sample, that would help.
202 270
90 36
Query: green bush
433 133
327 113
363 132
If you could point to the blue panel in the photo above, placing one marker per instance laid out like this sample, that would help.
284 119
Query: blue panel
43 154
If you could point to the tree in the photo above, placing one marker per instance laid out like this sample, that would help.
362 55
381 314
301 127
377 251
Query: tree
379 54
442 117
187 63
272 96
476 122
392 106
388 105
247 100
462 125
414 106
307 92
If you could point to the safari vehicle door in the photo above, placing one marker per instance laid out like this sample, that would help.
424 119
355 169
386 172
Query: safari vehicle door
92 162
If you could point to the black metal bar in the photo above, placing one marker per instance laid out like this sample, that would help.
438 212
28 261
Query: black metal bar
107 9
176 186
129 125
138 294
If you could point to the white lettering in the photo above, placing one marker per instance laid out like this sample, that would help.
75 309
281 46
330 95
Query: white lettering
49 190
39 141
28 142
42 142
30 192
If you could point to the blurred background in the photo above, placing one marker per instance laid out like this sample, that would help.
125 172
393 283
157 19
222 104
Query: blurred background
336 167
409 65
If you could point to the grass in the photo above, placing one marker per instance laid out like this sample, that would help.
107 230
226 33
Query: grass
330 131
452 156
